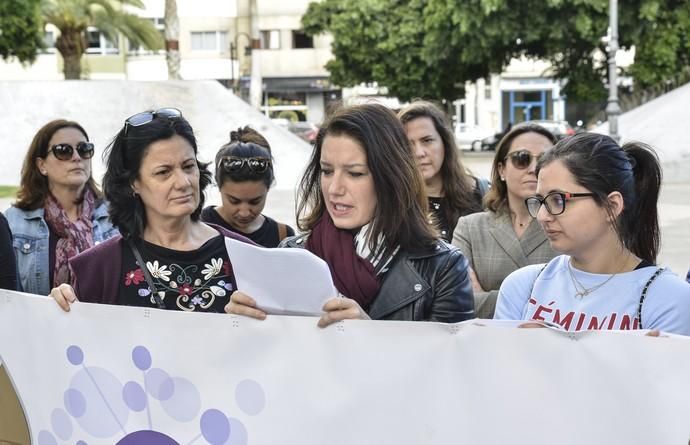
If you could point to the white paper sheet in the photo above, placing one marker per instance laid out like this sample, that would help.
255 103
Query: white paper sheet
282 281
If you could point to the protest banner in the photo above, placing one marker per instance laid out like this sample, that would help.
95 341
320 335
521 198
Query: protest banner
123 375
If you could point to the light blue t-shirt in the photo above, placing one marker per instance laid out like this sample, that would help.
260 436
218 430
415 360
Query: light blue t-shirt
614 305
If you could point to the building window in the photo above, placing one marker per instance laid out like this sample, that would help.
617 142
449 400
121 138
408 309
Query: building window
49 42
138 50
301 40
99 44
209 41
270 39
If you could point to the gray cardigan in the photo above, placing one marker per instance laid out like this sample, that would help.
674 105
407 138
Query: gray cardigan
493 249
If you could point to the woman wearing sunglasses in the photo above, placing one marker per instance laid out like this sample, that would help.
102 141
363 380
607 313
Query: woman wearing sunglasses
452 192
244 173
363 208
59 210
166 257
505 237
597 204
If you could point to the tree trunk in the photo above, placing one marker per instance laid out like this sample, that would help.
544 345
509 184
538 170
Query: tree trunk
255 85
71 44
172 39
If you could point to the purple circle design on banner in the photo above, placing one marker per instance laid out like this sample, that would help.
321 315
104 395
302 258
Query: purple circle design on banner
75 404
215 427
141 358
105 411
134 396
45 438
250 397
147 438
159 384
75 355
238 433
184 405
61 423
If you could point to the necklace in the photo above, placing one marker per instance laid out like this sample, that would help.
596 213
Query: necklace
581 290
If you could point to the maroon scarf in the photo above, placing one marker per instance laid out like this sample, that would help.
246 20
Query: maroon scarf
353 275
73 237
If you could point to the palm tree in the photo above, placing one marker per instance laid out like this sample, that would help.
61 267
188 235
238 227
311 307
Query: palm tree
73 17
172 39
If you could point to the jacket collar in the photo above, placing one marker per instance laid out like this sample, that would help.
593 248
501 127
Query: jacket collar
518 249
401 286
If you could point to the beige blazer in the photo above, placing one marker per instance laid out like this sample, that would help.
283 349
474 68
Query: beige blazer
494 251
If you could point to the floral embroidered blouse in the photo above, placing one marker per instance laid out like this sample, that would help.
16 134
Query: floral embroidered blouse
199 280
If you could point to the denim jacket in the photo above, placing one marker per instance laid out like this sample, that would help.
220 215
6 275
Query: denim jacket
30 239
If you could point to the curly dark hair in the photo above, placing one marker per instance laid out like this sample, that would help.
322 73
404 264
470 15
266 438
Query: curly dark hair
124 157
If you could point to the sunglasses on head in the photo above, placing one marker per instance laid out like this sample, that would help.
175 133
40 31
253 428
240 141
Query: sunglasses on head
521 159
64 151
233 164
146 117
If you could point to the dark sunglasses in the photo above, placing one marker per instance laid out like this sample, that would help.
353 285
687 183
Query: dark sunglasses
146 117
554 202
64 151
233 164
522 159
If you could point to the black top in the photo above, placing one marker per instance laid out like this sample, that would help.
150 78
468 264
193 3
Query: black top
198 280
445 227
266 235
8 263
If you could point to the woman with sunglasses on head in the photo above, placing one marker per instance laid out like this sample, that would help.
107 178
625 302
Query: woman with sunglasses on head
59 210
505 237
363 208
452 192
597 204
166 257
244 173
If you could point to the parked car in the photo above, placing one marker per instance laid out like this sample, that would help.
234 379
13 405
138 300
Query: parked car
469 136
305 130
560 129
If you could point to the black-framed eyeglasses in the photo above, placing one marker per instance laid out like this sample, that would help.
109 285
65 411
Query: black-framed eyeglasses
233 164
521 159
143 118
64 151
554 202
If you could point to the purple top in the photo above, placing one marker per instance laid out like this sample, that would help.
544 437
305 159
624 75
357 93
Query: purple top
95 271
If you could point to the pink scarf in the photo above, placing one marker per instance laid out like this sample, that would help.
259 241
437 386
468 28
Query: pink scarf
73 237
353 275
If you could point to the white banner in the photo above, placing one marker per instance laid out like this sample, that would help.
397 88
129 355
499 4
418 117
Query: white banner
132 376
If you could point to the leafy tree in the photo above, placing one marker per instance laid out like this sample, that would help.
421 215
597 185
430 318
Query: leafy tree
72 17
21 30
430 48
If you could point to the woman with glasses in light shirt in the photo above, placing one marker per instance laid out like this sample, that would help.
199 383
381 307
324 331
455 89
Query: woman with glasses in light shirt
597 204
166 257
244 174
59 211
505 237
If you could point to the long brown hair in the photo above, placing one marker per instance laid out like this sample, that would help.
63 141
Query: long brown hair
400 214
34 187
496 198
458 195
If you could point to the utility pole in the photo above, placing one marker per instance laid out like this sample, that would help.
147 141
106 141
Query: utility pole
613 109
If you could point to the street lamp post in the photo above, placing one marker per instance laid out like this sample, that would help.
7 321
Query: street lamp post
613 109
233 54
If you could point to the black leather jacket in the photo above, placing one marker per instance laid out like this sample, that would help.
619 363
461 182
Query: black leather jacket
429 286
